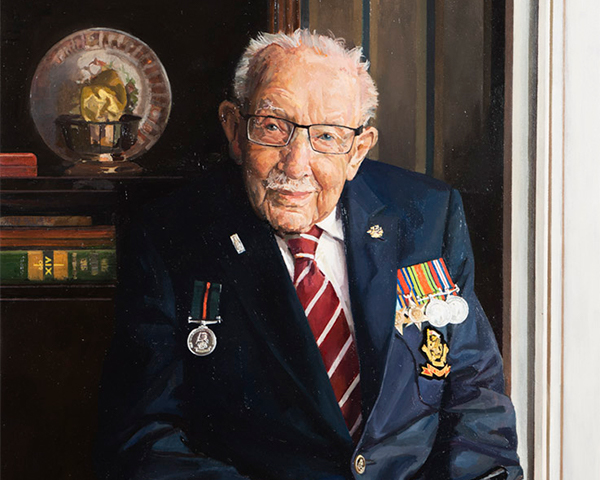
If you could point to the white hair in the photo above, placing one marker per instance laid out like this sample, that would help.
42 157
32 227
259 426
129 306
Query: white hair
323 44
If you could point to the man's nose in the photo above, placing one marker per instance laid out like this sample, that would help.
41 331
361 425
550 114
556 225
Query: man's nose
297 155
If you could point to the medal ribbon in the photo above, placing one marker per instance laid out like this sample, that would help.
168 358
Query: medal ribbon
205 302
418 282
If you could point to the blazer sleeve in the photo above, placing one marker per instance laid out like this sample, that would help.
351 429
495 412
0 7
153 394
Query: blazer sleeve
477 420
143 404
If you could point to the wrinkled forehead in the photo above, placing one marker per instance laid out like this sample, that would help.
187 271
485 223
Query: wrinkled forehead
306 79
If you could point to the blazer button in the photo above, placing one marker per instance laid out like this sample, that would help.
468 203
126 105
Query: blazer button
360 464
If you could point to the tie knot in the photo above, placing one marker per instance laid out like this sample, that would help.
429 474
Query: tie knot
305 244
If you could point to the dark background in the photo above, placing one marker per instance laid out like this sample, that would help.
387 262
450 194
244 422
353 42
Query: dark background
197 42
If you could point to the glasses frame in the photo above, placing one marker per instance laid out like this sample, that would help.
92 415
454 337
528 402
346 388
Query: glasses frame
246 117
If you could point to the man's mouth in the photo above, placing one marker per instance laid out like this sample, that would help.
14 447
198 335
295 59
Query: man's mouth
294 193
292 197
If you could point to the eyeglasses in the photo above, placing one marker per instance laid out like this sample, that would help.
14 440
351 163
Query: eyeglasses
277 132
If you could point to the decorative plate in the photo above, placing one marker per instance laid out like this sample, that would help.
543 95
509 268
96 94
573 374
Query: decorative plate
76 62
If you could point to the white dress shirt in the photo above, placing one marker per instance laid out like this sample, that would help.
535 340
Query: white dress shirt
330 257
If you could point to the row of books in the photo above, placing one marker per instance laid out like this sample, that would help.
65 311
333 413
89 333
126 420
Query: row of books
56 249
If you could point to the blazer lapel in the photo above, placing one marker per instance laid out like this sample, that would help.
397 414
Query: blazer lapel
265 289
372 266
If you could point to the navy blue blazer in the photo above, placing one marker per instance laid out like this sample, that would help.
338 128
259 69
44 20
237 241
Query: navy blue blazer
261 405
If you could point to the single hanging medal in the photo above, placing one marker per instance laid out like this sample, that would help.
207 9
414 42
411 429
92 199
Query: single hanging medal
202 340
438 312
459 308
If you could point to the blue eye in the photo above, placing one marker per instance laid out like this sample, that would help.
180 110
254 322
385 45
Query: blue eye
326 136
272 127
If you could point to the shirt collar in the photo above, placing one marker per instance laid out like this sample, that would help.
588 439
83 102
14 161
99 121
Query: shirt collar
332 224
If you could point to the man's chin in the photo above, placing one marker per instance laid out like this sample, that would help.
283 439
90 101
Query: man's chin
286 221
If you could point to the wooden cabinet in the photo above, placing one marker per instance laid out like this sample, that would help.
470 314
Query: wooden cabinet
53 343
55 336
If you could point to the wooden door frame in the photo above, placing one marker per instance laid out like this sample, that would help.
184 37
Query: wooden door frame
284 15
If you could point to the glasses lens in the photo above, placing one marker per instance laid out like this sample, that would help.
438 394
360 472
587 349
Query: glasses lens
269 130
331 139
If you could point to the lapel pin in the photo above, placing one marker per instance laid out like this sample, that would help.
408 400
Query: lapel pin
237 244
375 231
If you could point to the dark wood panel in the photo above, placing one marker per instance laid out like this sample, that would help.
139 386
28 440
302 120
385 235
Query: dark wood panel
398 55
57 292
343 18
284 15
52 354
104 199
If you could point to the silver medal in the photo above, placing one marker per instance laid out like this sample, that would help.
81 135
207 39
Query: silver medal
202 341
459 308
438 313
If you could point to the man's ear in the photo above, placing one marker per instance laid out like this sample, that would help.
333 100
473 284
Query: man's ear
230 121
362 144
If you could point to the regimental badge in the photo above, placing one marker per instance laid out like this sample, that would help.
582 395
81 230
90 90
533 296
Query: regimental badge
375 231
436 350
202 340
426 293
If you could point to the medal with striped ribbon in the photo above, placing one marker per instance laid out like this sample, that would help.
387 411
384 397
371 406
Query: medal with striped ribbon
202 340
426 292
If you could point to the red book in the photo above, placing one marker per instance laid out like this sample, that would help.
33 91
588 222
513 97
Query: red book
72 237
18 159
18 171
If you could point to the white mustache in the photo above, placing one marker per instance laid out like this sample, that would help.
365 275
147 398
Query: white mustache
278 180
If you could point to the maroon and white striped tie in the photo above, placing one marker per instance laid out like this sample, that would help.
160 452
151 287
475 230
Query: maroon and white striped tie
329 326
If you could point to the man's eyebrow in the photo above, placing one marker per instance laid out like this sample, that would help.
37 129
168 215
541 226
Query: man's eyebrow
268 105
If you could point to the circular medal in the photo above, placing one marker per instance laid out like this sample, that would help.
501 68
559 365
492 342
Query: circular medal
438 312
202 341
459 308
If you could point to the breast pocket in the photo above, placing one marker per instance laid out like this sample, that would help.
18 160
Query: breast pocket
431 390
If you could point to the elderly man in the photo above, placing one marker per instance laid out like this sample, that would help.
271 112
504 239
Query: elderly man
306 313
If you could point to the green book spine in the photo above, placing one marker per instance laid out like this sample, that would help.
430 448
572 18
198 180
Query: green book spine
57 266
13 266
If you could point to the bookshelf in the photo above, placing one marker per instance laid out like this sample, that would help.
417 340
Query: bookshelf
96 196
55 335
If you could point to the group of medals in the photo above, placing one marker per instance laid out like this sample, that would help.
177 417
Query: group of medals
426 293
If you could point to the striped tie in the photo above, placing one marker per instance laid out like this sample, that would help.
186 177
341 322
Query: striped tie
329 326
